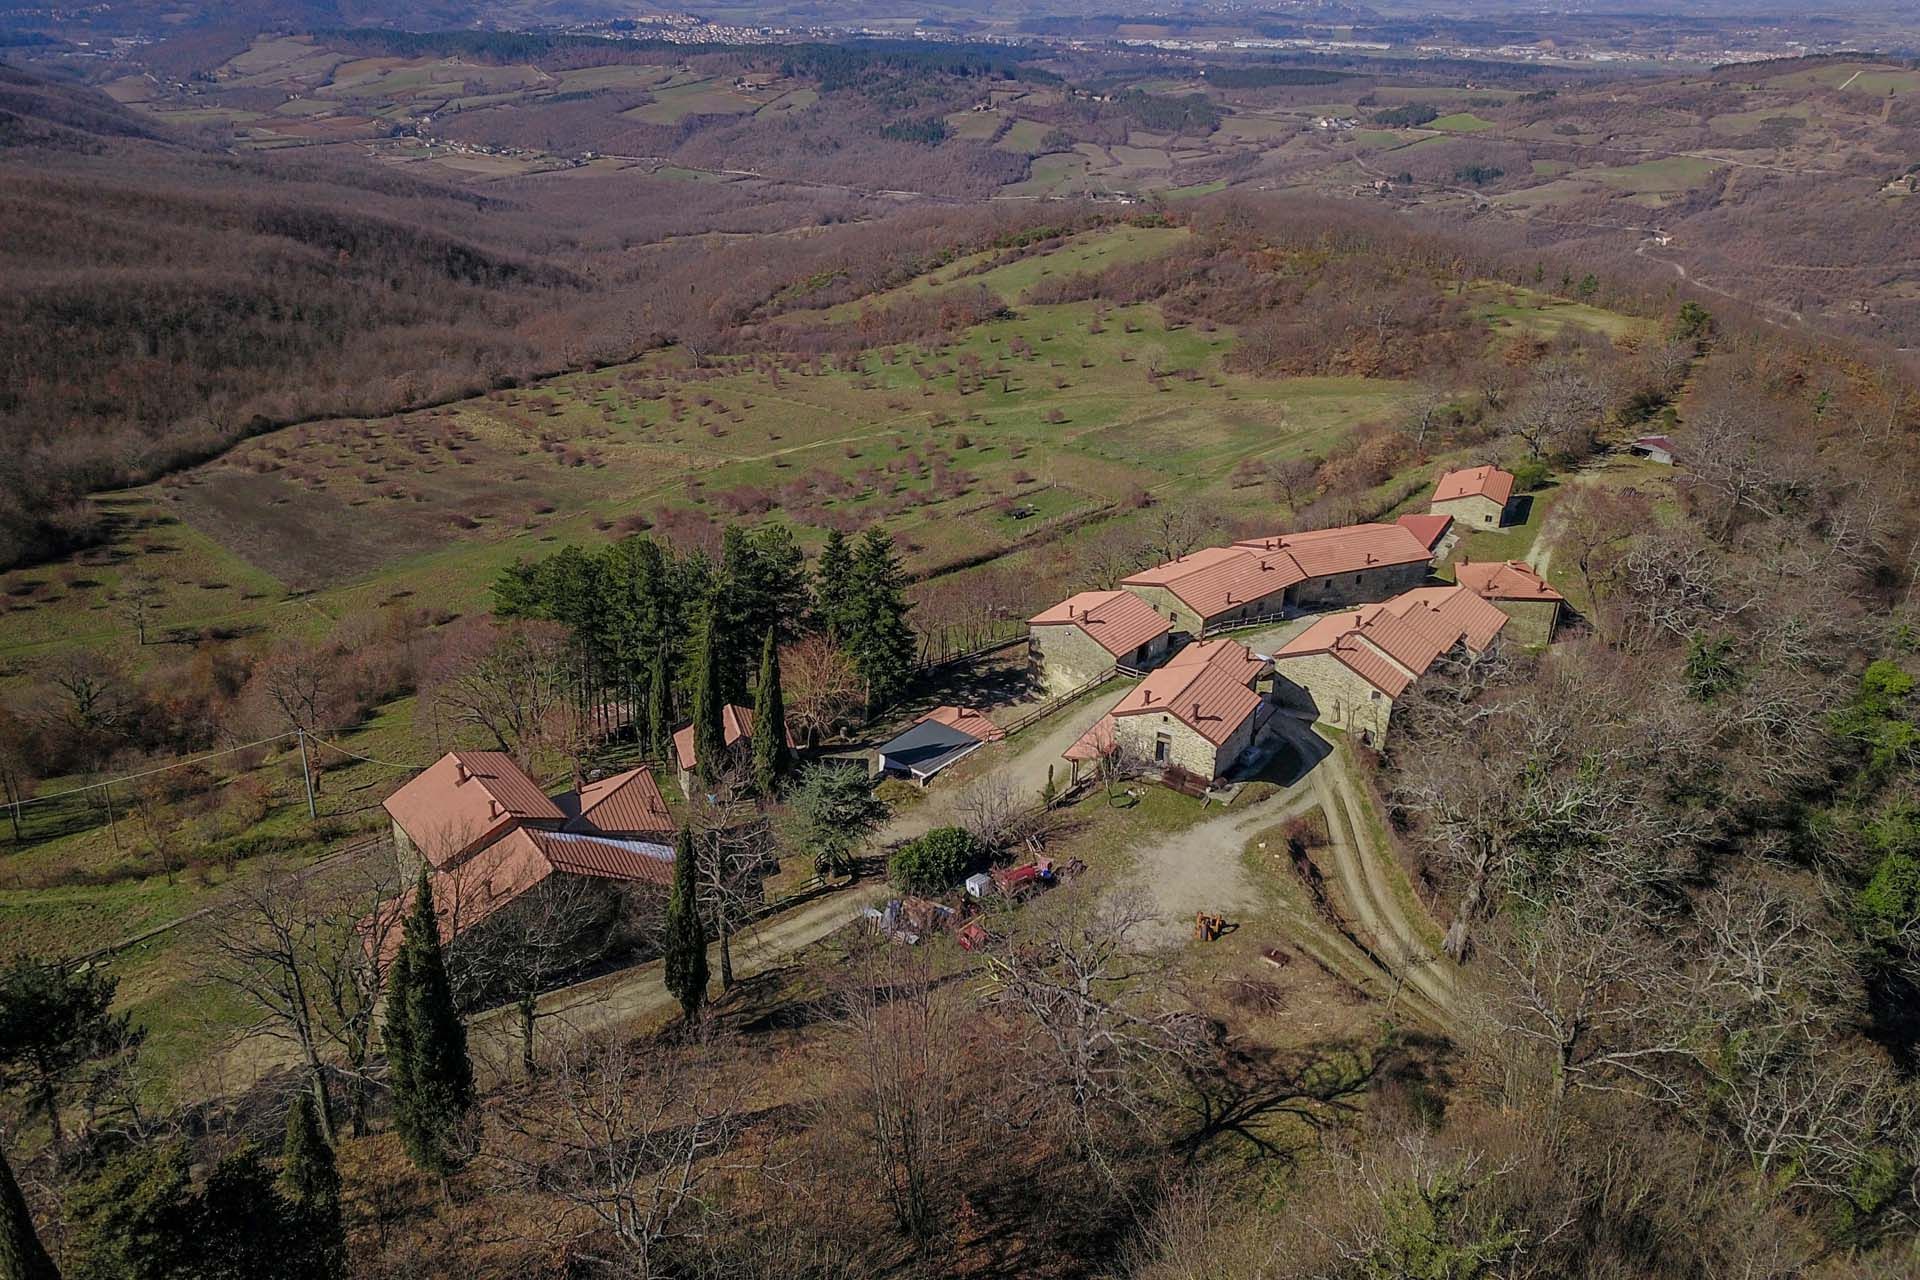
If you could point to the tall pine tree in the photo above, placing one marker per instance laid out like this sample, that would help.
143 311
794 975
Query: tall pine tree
426 1044
709 705
21 1255
878 637
660 707
685 961
833 586
772 757
311 1181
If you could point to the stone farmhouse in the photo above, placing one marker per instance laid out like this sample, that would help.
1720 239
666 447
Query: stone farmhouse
1350 666
494 841
1267 577
1198 713
1518 591
1477 498
1089 634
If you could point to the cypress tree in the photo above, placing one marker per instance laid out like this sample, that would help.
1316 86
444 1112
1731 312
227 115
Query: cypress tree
879 639
21 1255
709 703
832 585
772 757
660 707
685 962
426 1044
311 1181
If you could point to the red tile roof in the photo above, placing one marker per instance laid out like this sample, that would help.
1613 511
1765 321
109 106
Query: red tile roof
519 862
622 802
736 724
1429 529
1097 741
967 720
1476 482
1208 693
463 800
1508 580
1218 579
1119 620
1391 644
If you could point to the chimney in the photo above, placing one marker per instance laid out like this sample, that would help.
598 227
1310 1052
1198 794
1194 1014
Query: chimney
461 776
1196 709
1146 697
493 807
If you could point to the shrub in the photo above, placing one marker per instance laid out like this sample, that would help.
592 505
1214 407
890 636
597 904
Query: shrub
938 860
1530 475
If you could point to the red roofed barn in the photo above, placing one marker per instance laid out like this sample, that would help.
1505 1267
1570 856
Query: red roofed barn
736 724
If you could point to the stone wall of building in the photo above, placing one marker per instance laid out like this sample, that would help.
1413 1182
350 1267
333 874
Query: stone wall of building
1366 586
1337 695
1068 657
1179 615
1187 747
1533 620
1471 512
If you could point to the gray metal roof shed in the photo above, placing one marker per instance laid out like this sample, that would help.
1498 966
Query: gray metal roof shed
925 749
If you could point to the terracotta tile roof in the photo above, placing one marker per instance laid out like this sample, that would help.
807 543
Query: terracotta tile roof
622 802
967 720
1229 656
519 862
1119 620
1429 529
606 858
1322 553
736 724
1097 741
463 800
1213 581
1208 693
1503 580
1476 482
1162 575
1391 644
1662 443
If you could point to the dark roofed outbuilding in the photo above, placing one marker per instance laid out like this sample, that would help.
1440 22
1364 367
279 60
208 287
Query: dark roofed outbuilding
925 749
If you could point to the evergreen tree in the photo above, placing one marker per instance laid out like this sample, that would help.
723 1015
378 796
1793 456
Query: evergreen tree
426 1044
833 586
21 1254
772 757
685 961
878 637
660 707
837 811
311 1182
709 707
54 1023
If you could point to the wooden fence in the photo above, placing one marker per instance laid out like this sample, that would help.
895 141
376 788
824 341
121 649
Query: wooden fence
1053 704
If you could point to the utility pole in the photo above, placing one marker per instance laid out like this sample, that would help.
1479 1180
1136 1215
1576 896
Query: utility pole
306 773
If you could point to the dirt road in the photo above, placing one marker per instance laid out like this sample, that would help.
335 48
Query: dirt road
1393 946
1024 761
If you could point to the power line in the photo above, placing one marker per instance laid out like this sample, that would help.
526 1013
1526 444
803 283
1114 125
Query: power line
148 773
390 764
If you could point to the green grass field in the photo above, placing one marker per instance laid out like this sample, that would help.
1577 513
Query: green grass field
1461 122
1052 414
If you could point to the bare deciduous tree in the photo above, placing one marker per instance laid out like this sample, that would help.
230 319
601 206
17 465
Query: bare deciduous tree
906 1064
1093 1036
630 1139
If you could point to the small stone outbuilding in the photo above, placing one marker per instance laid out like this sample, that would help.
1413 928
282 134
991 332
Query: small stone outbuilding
1478 498
1089 634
